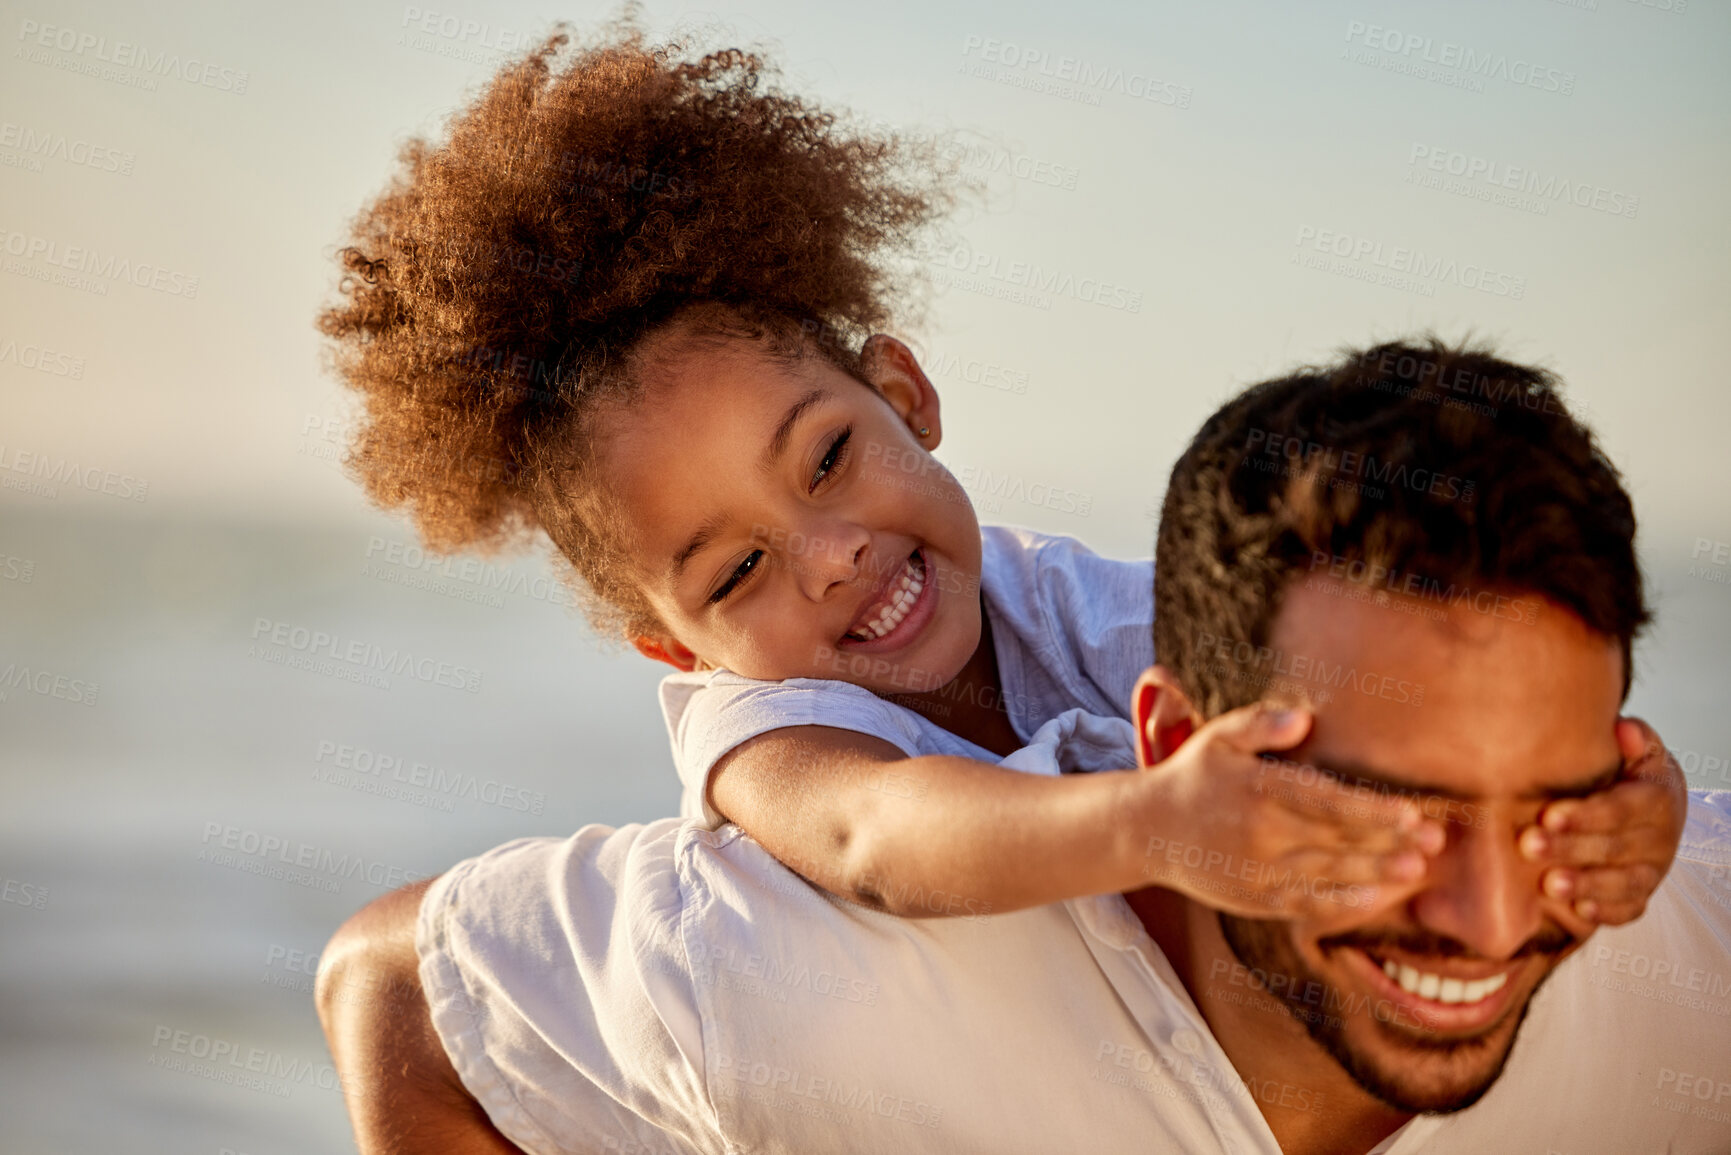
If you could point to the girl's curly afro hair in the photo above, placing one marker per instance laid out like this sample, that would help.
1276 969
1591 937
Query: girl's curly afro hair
495 292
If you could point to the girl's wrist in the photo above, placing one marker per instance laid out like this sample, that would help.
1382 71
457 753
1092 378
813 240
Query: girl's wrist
1139 826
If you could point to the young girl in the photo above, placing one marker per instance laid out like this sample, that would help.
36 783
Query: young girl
631 302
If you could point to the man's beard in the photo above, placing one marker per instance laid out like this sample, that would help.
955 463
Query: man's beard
1264 945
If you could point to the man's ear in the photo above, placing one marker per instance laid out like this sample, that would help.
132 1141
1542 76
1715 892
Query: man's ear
666 650
1163 713
895 372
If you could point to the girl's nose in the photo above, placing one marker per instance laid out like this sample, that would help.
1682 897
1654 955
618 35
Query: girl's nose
831 558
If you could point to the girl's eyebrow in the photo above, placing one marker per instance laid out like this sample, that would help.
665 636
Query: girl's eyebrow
772 453
778 440
704 535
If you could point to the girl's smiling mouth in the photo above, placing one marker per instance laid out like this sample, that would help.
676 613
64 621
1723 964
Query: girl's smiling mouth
896 611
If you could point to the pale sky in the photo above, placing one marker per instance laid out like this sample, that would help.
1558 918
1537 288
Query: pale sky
1274 128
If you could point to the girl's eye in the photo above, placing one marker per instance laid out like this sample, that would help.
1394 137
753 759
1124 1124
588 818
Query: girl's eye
832 459
738 576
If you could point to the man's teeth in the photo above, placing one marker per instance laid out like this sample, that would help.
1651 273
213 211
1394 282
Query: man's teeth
1438 989
901 600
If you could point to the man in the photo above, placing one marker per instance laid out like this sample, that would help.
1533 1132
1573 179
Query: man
1449 591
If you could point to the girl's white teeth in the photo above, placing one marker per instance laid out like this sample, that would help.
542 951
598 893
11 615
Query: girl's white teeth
1438 989
901 600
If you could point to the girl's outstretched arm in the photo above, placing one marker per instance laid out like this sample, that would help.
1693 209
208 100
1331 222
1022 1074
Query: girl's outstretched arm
1218 820
931 835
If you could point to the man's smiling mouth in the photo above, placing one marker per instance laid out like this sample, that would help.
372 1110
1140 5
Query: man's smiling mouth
1438 988
892 606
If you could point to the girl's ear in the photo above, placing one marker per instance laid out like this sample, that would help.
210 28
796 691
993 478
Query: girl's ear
666 650
895 372
1164 715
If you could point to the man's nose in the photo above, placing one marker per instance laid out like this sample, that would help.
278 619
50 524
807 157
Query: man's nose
828 555
1481 891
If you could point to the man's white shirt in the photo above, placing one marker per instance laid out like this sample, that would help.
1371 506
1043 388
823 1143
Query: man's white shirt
672 989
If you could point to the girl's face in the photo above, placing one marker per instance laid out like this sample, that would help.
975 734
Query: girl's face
789 522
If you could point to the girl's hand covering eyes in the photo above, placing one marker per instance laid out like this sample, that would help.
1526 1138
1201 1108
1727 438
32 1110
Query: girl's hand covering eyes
1609 851
1245 823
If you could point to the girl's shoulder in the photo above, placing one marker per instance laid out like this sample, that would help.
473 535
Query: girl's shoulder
1033 575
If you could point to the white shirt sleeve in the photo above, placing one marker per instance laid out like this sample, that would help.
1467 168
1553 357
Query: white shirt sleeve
710 715
556 975
1099 612
1082 625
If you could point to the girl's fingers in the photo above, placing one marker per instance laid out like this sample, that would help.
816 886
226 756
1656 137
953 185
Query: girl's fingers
1324 869
1313 794
1625 804
1258 727
1611 895
1619 846
1365 823
1644 754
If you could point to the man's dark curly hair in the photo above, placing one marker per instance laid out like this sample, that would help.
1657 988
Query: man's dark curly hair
590 197
1438 462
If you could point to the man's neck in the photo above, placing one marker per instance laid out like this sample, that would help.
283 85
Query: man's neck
1311 1104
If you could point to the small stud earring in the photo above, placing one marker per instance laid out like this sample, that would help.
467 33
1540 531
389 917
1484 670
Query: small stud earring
924 431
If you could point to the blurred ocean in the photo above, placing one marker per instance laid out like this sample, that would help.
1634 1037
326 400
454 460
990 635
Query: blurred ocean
175 854
191 742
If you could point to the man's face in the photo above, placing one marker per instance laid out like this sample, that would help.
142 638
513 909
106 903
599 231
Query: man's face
1420 1002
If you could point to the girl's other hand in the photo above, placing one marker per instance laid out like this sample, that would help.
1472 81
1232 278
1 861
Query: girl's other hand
1608 852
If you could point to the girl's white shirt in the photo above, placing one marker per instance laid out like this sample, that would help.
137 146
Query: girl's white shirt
1071 629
